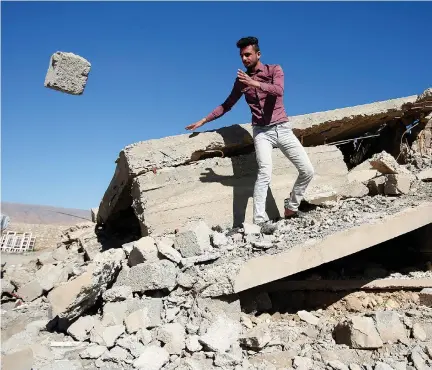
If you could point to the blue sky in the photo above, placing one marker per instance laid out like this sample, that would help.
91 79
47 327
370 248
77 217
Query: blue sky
159 66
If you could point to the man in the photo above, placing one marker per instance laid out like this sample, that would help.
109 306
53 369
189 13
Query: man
263 87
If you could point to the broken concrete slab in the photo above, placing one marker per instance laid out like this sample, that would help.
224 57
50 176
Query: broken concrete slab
358 333
193 240
263 269
144 249
397 184
219 191
30 291
68 73
71 299
425 175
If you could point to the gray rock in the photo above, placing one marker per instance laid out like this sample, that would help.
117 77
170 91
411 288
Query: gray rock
144 336
398 184
354 189
137 320
114 313
111 334
418 361
193 240
6 286
257 338
355 367
71 299
93 352
390 328
152 276
118 354
303 363
144 250
68 73
200 259
63 365
308 317
251 229
382 366
30 291
192 344
153 358
418 332
80 329
118 293
219 239
132 344
224 360
173 336
337 365
165 247
50 276
221 334
359 333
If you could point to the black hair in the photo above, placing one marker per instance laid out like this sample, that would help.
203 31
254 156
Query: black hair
246 41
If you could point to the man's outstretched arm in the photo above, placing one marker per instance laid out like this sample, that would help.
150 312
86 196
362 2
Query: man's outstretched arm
220 110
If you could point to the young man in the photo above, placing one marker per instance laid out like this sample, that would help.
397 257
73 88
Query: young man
263 87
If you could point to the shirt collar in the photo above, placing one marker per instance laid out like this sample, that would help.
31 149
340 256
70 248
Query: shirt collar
259 68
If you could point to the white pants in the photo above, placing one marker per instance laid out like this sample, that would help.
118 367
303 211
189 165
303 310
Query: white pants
281 136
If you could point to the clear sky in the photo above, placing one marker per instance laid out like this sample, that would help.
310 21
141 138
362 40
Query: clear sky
159 66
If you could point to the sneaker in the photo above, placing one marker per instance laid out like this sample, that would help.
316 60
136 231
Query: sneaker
292 214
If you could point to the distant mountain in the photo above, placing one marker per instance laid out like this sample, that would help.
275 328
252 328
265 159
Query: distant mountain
38 214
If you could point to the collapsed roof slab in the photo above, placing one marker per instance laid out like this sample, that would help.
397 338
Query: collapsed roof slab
219 190
264 269
313 129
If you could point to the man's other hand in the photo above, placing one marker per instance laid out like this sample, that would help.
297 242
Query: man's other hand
246 79
195 125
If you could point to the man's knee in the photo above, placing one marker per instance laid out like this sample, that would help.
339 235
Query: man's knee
309 173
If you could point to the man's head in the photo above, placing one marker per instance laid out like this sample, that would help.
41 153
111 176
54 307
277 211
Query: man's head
249 51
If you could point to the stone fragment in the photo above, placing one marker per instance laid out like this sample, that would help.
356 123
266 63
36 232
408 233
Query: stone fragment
132 344
354 189
144 250
417 359
219 239
358 333
390 328
165 247
425 175
225 360
80 329
303 363
192 344
50 276
153 358
319 194
114 313
111 334
418 332
144 336
355 367
308 317
119 354
173 336
74 297
251 229
256 339
137 320
6 286
353 304
193 240
185 262
155 275
425 297
221 334
117 293
337 365
93 351
382 366
30 291
386 164
397 184
362 173
63 365
67 72
19 360
60 253
188 277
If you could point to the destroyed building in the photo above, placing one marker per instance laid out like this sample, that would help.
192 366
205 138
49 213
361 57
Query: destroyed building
170 279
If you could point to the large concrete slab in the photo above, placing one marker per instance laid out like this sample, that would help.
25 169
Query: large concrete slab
179 150
267 268
219 190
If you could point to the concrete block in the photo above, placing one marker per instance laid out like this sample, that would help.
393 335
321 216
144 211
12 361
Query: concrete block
376 185
221 334
137 320
194 241
390 327
165 247
153 358
425 175
398 184
80 329
144 249
67 72
358 333
30 291
173 336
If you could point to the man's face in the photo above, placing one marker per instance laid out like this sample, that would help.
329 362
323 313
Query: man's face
249 56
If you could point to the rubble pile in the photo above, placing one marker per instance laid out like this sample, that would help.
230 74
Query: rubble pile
167 301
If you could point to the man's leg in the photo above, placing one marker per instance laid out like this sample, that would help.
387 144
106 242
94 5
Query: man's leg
263 141
295 152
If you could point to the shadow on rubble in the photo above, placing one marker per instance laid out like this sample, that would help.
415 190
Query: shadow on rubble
245 171
327 284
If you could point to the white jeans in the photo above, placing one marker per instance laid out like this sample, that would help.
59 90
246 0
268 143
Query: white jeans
282 136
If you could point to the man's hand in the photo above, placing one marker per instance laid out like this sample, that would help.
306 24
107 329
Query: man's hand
195 125
246 79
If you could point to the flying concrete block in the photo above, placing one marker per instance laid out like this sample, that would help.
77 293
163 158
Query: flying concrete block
67 72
